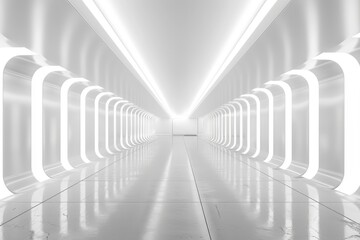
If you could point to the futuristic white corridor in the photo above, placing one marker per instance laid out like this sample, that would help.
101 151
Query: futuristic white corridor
179 188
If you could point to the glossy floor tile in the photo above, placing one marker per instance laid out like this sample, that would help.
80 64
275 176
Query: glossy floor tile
179 188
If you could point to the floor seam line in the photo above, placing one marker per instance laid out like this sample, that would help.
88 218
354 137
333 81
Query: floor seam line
197 189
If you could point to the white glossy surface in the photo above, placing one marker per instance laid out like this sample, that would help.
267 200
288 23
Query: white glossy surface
179 188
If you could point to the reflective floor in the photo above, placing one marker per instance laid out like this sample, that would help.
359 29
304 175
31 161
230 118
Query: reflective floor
179 188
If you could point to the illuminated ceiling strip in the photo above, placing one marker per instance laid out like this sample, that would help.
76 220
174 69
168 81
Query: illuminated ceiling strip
83 96
116 125
258 119
234 124
257 20
64 120
97 122
37 83
270 122
313 84
240 124
6 54
288 121
351 70
107 122
148 80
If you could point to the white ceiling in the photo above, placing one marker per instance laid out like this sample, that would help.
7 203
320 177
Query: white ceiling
179 42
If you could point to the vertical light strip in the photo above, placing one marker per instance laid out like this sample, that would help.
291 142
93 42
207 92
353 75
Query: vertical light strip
313 84
288 121
234 124
6 54
240 124
258 120
122 142
64 120
351 70
37 83
107 121
137 140
229 125
128 126
223 126
270 122
97 122
132 126
115 125
83 96
247 149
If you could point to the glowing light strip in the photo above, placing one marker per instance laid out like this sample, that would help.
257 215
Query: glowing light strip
288 121
107 121
122 143
234 121
209 82
37 82
351 69
137 136
132 130
229 125
115 125
6 54
223 126
213 126
240 125
97 116
83 96
247 149
147 78
258 120
142 116
313 84
270 122
64 121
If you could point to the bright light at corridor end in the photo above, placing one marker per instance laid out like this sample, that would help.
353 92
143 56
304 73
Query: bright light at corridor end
131 54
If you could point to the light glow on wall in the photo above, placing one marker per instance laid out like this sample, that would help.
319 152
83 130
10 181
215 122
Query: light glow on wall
83 96
270 98
64 121
97 116
313 84
6 54
37 83
288 121
351 70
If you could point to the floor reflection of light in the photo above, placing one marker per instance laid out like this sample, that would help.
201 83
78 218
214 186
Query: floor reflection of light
64 206
288 208
36 212
270 222
314 212
83 200
155 212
